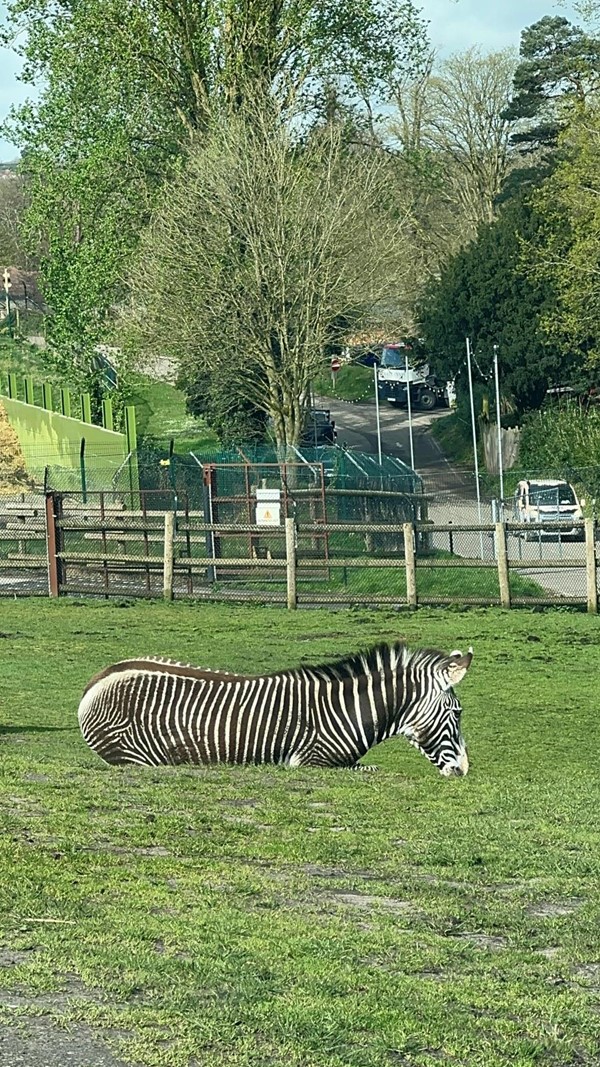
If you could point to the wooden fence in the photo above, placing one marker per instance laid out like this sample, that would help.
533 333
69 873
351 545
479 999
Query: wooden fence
114 552
60 547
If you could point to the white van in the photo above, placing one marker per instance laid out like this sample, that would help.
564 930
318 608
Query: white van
546 500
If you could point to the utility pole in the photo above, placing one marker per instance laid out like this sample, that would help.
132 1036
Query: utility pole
375 369
409 405
474 432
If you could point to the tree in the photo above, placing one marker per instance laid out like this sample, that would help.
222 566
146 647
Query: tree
560 65
566 250
487 293
12 209
127 87
452 150
262 251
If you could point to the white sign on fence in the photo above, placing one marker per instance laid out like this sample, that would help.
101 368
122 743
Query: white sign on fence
268 507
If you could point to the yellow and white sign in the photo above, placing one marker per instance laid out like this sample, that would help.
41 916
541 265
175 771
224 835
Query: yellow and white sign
268 507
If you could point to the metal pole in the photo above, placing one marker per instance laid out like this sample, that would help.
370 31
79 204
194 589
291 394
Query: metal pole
290 552
474 431
499 431
408 401
375 369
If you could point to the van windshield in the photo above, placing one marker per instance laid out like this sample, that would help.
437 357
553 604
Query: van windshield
551 495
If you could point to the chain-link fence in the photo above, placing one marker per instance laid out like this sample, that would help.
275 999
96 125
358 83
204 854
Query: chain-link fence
349 531
23 555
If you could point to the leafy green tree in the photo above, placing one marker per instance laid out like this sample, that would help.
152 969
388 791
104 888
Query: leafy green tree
566 250
128 87
488 294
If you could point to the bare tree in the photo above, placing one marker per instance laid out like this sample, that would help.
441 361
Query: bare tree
468 100
264 252
454 118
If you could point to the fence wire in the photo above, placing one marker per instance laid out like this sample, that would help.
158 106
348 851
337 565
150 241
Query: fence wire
23 555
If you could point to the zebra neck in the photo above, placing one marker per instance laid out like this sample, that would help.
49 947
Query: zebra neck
365 710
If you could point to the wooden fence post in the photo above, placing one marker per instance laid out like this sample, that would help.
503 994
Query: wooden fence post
590 566
168 555
54 543
502 554
290 555
409 560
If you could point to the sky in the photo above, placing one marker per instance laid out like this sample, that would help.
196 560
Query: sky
453 26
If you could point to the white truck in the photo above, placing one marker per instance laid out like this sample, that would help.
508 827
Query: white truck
426 392
539 500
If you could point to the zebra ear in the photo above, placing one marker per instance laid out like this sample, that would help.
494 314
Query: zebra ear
456 666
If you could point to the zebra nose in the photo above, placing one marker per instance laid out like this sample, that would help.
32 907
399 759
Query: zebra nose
454 770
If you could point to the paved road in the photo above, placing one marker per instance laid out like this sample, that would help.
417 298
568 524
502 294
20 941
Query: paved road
453 492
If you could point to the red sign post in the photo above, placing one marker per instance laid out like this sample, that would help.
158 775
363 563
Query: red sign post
335 366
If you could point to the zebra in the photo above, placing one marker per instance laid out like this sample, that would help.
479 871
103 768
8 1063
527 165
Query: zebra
155 711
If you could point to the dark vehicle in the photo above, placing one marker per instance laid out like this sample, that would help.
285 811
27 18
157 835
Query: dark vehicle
369 359
319 428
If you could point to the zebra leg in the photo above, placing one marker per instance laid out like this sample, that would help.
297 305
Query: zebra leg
370 767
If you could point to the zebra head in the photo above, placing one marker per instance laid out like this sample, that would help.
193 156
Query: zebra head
431 721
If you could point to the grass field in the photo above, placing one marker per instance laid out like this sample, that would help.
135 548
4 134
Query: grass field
229 917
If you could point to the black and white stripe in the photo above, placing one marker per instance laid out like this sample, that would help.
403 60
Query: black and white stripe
158 712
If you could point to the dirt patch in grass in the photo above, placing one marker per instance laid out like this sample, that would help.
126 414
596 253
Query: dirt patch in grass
549 909
11 957
120 850
588 971
365 900
490 941
38 1041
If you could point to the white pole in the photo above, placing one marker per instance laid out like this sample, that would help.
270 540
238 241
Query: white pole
474 430
408 401
375 369
499 433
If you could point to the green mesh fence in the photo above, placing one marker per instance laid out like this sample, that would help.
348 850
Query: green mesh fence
353 485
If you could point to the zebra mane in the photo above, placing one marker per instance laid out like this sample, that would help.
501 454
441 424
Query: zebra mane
180 663
383 654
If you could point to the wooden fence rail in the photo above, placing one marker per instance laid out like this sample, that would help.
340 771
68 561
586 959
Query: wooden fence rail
162 554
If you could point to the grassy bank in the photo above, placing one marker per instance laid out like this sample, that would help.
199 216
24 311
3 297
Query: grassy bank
245 917
162 415
454 435
351 382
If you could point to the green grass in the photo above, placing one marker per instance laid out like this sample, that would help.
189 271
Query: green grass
351 382
454 436
161 415
230 917
460 582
